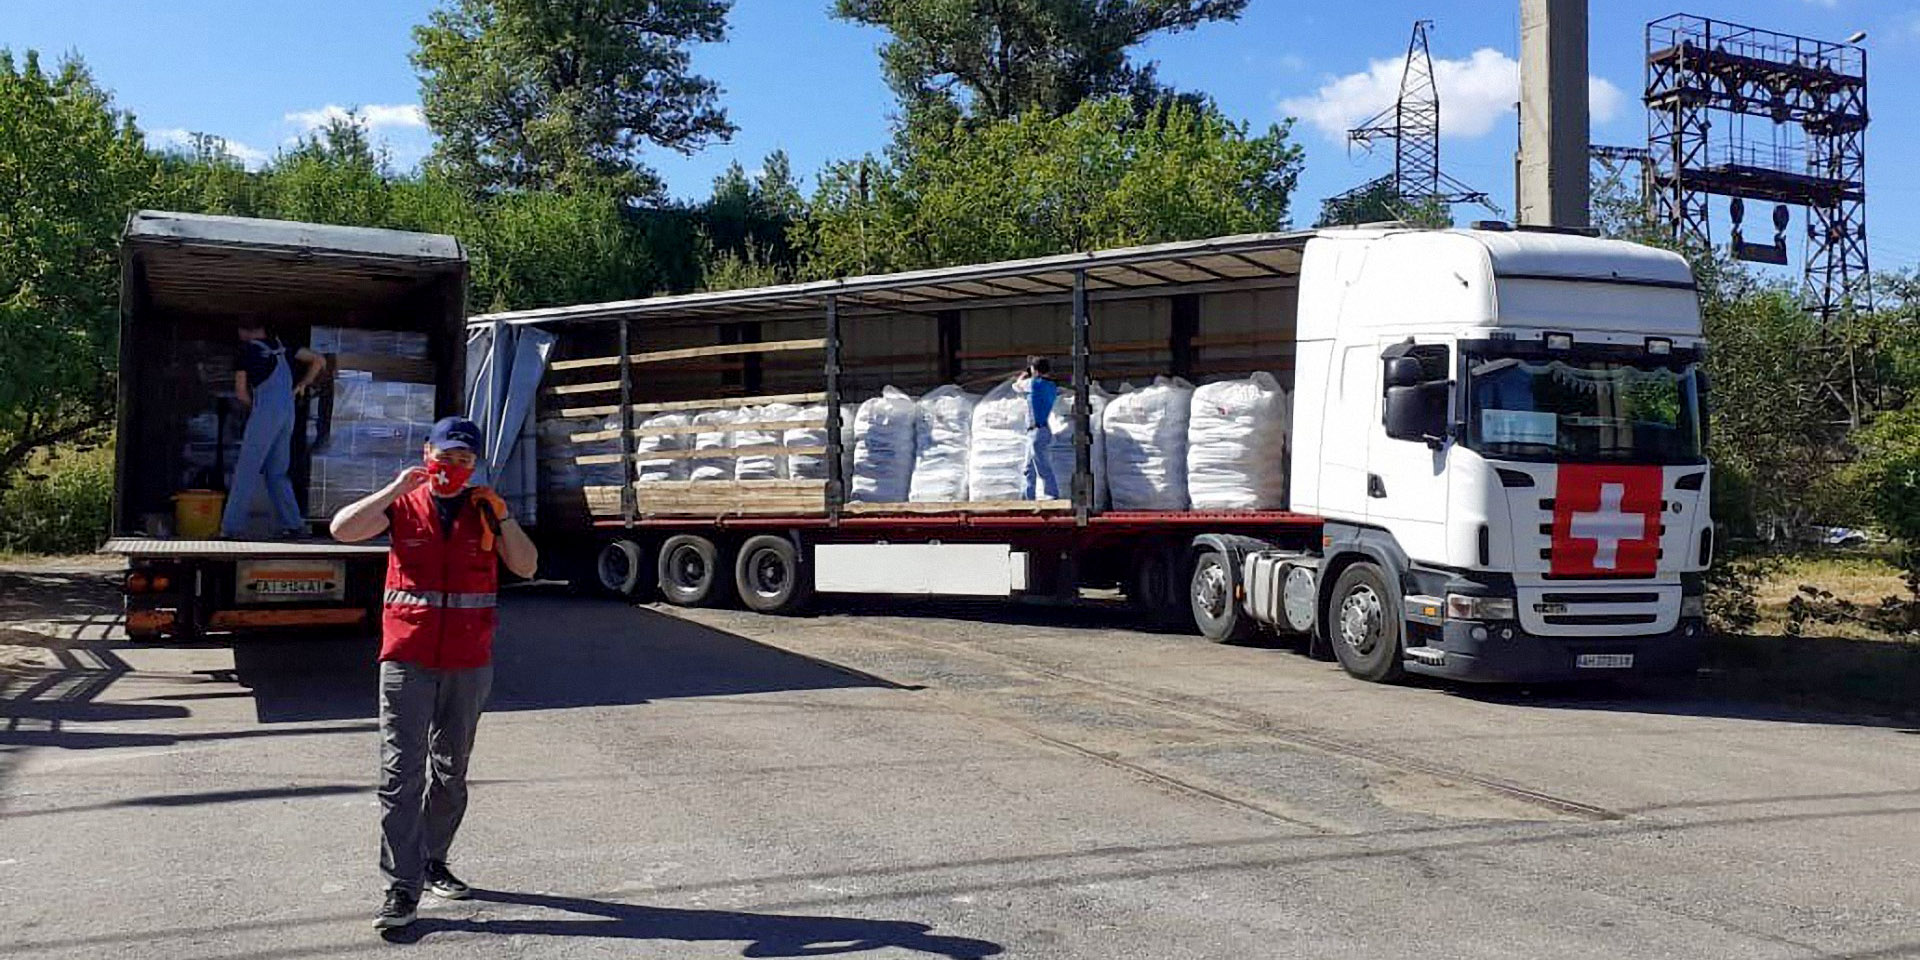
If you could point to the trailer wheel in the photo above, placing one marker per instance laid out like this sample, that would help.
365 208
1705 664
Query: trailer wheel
1156 585
620 567
690 571
1364 624
1216 611
770 577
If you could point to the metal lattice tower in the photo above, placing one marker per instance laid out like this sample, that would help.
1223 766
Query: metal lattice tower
1413 126
1705 80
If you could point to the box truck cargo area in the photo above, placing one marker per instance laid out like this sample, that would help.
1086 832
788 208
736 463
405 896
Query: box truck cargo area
1470 453
384 308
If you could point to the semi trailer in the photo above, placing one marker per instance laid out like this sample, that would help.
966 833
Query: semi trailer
1494 461
385 309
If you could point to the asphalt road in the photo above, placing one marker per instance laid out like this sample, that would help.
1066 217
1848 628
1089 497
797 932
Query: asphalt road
925 780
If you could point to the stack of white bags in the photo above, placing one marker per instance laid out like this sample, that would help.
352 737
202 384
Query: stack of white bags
1236 445
1146 431
883 448
1162 446
942 432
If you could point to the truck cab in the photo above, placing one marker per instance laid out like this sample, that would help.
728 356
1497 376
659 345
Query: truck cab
1504 431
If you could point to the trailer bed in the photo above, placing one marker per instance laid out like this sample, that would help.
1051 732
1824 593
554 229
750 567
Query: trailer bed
155 548
1042 518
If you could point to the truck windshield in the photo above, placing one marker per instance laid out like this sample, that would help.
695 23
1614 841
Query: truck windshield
1604 410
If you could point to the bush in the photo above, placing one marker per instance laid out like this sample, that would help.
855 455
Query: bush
60 504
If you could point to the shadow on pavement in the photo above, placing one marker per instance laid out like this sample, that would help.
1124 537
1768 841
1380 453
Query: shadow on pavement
1705 695
766 935
551 652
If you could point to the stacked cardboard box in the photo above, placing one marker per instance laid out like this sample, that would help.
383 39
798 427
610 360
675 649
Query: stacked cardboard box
379 421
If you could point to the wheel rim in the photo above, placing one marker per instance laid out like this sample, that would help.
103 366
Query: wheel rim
1362 619
1210 590
689 567
768 573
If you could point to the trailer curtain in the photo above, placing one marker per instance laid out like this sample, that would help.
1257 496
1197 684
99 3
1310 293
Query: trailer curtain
502 387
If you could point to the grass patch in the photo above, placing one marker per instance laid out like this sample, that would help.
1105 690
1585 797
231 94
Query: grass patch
1863 577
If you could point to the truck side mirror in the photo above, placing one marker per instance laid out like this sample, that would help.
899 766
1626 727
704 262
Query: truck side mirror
1404 372
1418 412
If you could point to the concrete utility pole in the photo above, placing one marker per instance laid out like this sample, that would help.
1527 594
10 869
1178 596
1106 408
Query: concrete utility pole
1553 184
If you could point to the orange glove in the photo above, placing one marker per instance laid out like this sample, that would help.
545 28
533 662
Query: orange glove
493 510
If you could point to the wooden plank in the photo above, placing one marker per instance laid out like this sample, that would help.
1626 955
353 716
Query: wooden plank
569 412
691 428
567 389
722 453
688 353
971 506
719 403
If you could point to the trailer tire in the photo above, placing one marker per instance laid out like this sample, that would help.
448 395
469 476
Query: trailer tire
770 577
1212 597
691 574
620 568
1156 586
1363 625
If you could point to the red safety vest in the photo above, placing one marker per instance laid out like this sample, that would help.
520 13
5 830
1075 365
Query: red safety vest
441 590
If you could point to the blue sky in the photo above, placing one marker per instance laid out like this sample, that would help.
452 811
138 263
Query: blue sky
259 72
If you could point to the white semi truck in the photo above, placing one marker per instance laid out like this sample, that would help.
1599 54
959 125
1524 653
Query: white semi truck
1497 462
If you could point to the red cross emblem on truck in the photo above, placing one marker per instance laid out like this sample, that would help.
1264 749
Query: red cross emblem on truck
1606 520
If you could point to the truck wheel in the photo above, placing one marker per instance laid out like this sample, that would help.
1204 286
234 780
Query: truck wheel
620 567
690 571
770 577
1364 625
1153 585
1216 611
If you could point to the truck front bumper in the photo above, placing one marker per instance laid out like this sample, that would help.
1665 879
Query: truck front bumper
1504 653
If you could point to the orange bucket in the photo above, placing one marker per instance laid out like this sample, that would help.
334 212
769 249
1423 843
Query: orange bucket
196 513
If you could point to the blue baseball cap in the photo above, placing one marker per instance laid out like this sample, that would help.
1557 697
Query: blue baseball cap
454 433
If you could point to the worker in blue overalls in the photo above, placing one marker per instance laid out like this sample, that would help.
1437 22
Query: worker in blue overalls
1039 483
263 385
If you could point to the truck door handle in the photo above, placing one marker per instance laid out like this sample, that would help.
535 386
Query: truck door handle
1376 488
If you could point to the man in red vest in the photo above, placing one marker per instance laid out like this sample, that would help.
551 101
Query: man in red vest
449 540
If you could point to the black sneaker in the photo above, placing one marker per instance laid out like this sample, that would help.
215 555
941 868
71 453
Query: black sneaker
398 911
442 883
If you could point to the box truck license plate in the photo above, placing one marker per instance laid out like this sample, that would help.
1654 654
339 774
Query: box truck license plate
1604 661
290 581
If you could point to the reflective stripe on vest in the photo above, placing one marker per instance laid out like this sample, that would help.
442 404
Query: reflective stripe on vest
437 598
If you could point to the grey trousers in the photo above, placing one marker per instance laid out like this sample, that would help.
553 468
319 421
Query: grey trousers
427 721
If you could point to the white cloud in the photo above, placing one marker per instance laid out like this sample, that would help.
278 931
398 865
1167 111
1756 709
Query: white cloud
176 138
377 116
1475 93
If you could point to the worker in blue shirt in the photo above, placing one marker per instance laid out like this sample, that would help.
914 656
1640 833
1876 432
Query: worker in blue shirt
264 386
1039 483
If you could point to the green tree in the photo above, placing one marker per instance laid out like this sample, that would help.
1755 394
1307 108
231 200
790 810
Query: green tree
748 220
1097 177
997 59
334 176
205 177
72 167
563 94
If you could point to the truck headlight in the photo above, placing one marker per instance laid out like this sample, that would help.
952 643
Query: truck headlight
1694 606
1463 607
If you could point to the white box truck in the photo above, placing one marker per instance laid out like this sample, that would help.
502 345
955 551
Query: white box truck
1496 462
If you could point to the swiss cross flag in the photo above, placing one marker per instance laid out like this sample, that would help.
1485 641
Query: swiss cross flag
1606 520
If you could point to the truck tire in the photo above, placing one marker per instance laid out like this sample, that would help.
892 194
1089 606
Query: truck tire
770 576
691 574
1216 608
620 569
1363 624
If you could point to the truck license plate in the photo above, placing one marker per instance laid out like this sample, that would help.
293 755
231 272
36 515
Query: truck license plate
290 581
1604 661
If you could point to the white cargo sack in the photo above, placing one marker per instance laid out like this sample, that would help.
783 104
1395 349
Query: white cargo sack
941 431
768 465
997 466
1060 450
813 466
1146 432
715 447
1236 445
650 465
883 450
